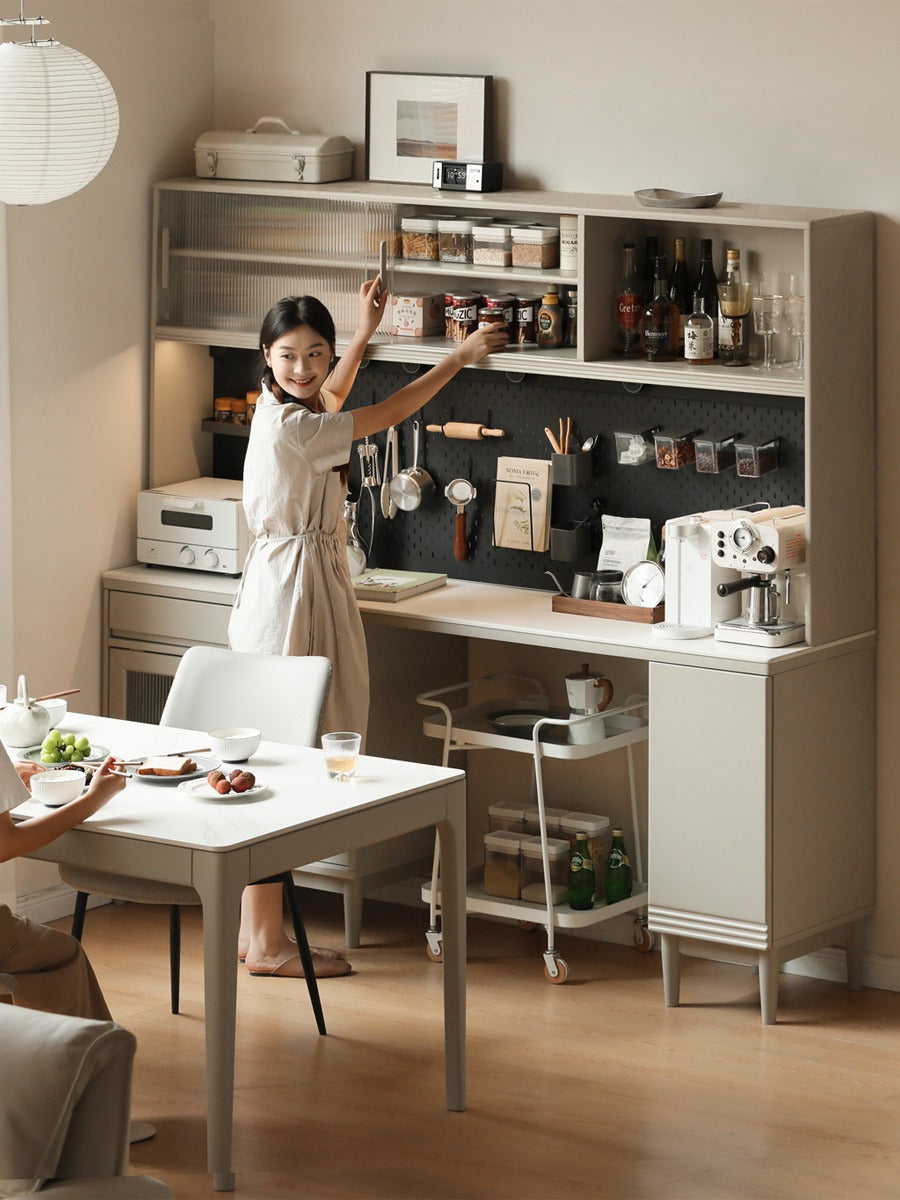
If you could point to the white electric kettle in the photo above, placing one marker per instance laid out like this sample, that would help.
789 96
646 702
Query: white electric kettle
589 693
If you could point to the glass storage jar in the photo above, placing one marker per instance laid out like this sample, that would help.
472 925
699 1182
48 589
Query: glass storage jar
419 236
533 870
535 246
463 314
491 245
455 240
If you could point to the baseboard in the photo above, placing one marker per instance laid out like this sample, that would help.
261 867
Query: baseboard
53 903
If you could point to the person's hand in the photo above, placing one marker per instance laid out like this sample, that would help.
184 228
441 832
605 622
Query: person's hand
481 342
371 306
107 781
26 770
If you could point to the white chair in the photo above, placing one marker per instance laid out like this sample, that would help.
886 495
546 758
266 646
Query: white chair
64 1107
214 688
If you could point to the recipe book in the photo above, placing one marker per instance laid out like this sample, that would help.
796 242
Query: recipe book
391 586
522 504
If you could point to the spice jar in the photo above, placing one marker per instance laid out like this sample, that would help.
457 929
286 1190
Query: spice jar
463 315
455 240
239 410
526 308
222 408
419 236
675 450
252 398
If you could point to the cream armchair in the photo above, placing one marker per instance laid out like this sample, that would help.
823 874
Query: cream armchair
64 1107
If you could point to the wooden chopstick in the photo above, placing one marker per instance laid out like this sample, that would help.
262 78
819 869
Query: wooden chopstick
568 434
58 695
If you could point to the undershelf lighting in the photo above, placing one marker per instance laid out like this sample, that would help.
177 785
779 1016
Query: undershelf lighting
59 119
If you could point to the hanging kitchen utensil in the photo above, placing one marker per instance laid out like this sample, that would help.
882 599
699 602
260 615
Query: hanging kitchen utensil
460 492
466 429
413 486
388 507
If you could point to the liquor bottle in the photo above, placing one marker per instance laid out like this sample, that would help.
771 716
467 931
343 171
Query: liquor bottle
550 320
651 251
618 884
356 556
732 275
699 334
581 875
680 289
629 306
706 285
659 324
570 338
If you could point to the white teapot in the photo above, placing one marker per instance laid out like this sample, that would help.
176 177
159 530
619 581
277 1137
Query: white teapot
23 723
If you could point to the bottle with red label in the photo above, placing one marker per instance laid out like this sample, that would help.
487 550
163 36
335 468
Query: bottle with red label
629 307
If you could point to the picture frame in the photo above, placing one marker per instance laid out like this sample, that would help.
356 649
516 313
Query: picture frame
413 118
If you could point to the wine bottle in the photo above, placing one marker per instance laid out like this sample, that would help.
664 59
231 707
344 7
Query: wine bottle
680 290
659 324
706 284
651 252
628 306
732 275
618 884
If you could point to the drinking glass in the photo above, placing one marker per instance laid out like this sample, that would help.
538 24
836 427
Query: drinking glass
734 303
341 754
767 313
795 312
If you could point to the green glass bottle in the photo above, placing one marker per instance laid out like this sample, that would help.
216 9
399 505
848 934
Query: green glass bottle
581 875
618 870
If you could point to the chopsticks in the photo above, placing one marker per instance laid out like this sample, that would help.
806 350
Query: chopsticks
136 762
560 444
58 695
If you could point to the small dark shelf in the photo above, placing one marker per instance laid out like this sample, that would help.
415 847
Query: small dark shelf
224 428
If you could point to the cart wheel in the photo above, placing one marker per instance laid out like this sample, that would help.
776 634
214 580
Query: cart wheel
562 972
436 954
526 924
644 940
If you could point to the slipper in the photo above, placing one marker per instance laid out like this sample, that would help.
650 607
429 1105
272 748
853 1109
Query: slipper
140 1131
330 967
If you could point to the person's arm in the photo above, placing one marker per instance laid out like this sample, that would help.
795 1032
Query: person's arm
371 309
396 408
21 837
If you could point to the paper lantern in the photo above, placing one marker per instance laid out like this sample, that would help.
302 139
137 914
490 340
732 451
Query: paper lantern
59 121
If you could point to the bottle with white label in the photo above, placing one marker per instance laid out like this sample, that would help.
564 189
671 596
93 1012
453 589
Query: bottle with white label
699 334
732 275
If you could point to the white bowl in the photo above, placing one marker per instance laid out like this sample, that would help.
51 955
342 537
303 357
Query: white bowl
56 710
236 744
54 788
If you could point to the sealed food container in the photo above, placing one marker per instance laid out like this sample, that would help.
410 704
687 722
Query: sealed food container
455 240
598 836
525 314
675 450
417 315
492 246
239 410
501 864
558 855
551 815
222 408
506 302
714 453
252 398
634 449
510 817
535 246
464 308
419 238
755 460
448 314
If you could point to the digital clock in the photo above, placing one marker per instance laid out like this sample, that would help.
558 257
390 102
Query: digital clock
467 176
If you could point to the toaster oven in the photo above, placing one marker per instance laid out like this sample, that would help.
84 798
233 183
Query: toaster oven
198 525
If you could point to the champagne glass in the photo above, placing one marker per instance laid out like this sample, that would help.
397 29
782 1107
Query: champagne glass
767 313
735 304
795 312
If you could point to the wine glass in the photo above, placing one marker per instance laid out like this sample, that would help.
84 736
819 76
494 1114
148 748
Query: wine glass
795 312
735 303
768 310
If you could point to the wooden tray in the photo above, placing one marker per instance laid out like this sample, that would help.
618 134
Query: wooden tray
612 612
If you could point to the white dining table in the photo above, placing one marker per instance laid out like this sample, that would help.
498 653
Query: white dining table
218 846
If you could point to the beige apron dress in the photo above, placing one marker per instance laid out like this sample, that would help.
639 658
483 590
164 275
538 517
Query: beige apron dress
295 595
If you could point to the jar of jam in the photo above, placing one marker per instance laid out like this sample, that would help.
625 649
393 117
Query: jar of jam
489 317
463 315
506 303
525 314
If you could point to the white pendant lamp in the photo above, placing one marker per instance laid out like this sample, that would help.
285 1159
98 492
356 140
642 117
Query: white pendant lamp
59 119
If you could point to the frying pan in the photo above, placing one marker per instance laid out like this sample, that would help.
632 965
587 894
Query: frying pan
413 486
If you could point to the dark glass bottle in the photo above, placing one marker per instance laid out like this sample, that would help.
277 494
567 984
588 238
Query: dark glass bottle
706 283
680 290
581 875
618 883
629 306
651 252
659 324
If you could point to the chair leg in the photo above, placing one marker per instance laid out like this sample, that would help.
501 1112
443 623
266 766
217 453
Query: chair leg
175 954
303 946
81 899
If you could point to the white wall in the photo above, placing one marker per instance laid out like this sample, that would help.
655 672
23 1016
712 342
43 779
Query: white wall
614 95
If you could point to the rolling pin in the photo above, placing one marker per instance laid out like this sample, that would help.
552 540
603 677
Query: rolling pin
465 429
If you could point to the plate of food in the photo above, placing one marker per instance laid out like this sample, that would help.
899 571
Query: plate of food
238 785
666 198
173 768
87 754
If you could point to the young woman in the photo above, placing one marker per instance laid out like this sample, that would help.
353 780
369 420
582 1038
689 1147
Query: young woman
52 971
295 596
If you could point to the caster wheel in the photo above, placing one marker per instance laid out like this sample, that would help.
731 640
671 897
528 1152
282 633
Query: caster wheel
435 955
562 972
643 939
526 925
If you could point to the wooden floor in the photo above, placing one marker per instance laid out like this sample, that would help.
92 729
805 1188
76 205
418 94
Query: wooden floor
592 1089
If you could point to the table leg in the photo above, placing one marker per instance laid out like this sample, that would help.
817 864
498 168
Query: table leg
220 892
452 833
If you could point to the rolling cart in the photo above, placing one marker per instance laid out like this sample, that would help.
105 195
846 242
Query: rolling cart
544 734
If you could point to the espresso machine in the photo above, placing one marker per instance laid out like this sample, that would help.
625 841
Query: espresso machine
768 548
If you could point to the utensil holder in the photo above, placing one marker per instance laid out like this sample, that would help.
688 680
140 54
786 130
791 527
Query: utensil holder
570 470
570 542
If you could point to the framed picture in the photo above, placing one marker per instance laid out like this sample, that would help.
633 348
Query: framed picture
413 118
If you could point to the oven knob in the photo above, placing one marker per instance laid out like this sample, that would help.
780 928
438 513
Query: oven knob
210 559
186 555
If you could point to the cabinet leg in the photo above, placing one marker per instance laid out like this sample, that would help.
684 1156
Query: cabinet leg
353 905
671 966
769 970
855 946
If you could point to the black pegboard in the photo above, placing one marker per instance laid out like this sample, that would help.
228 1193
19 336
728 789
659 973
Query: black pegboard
423 540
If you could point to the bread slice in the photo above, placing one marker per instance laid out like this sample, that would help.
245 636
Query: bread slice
167 765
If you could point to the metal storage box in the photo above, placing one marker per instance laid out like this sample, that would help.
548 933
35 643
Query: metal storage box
285 157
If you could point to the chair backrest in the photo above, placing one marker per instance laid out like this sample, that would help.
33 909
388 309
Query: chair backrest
282 695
